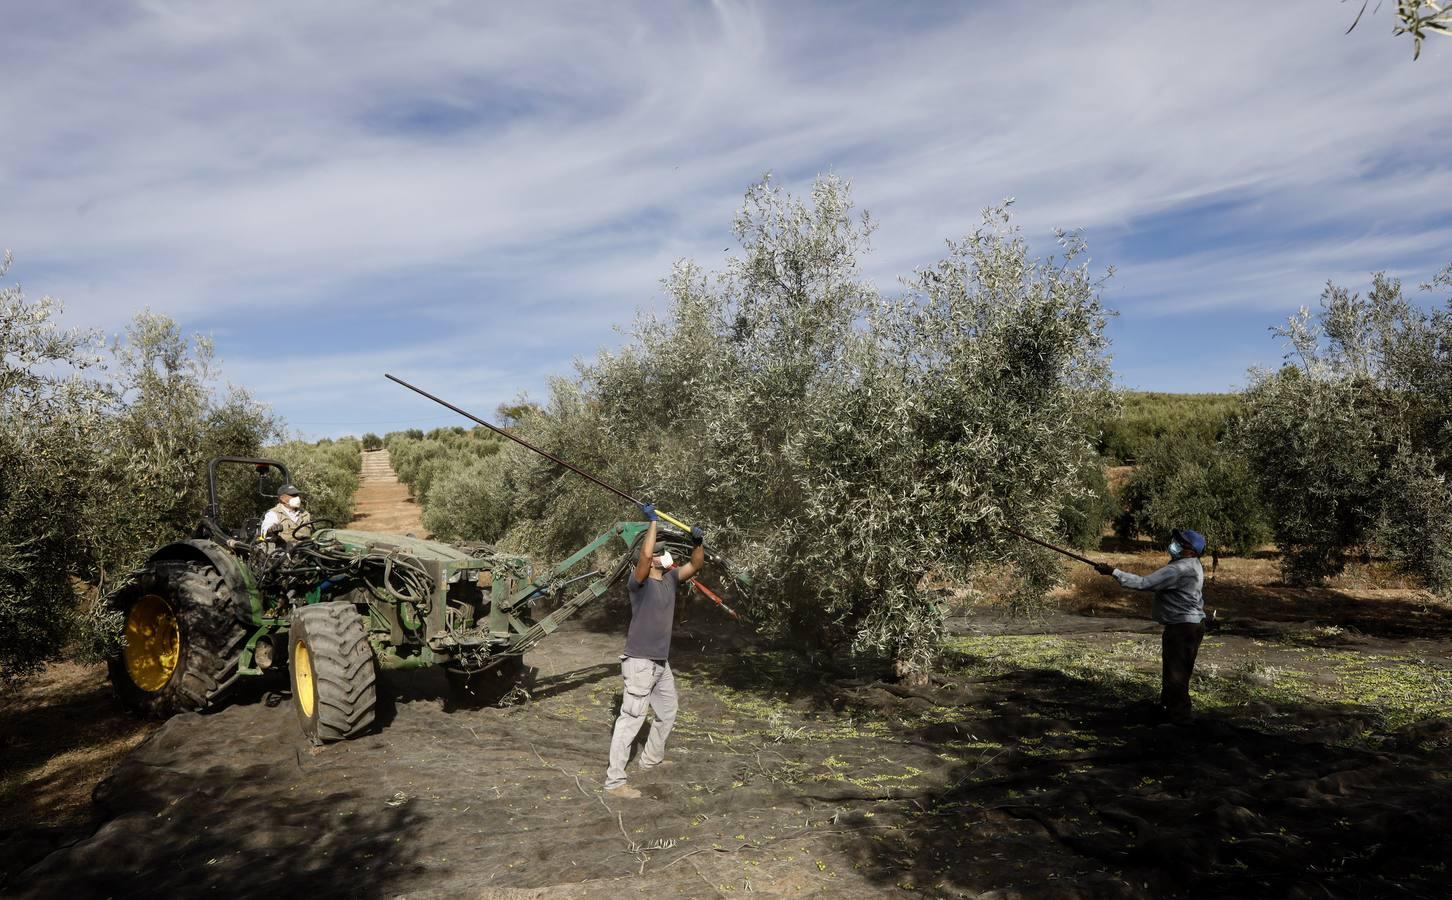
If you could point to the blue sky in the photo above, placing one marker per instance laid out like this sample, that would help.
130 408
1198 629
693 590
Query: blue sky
472 195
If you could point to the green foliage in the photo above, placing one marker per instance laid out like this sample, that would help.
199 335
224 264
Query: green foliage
1086 511
1318 446
166 425
511 414
1418 18
1186 481
470 500
1417 529
1351 442
48 410
1145 419
326 473
372 441
838 445
100 461
417 461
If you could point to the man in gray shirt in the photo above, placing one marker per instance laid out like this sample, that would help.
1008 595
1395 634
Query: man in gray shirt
1179 605
645 665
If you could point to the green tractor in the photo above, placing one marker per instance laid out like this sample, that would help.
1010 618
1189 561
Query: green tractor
334 607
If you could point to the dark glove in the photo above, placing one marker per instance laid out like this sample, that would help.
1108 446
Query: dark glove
1104 569
698 537
648 510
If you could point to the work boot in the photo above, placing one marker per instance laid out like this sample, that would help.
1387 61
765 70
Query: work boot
624 792
664 762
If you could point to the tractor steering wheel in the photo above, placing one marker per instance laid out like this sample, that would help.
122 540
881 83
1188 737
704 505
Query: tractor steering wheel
312 525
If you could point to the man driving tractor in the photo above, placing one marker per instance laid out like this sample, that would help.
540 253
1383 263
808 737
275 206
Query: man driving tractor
286 517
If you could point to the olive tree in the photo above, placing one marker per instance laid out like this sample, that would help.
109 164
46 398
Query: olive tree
840 445
1190 481
153 452
1350 440
49 411
102 457
1419 18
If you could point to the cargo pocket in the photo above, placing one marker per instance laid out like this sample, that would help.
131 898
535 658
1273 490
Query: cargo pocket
639 679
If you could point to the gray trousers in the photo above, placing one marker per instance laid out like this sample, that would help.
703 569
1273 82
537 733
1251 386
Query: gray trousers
649 685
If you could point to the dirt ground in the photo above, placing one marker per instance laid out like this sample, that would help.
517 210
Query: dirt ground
1023 780
1320 765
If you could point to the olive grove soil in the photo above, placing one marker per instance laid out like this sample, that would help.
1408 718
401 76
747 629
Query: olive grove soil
1019 778
1032 766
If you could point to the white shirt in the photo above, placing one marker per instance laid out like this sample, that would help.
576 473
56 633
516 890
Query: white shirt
272 518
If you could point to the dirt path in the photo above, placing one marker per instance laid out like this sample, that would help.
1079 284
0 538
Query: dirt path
382 502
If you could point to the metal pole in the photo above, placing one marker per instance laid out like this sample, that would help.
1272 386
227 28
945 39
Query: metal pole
1083 559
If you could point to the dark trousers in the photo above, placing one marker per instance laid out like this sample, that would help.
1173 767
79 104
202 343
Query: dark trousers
1179 646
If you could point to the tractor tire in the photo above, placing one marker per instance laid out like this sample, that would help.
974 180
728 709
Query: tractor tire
334 672
486 688
180 642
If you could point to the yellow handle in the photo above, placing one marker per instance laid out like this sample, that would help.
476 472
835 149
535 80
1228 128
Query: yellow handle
674 521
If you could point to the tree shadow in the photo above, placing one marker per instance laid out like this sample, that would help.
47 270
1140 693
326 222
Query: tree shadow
1063 789
1113 543
564 682
223 833
1398 617
1392 615
55 743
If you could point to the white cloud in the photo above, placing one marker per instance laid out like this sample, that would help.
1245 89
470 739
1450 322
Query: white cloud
266 158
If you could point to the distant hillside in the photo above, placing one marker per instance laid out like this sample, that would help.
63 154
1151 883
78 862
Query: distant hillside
1147 416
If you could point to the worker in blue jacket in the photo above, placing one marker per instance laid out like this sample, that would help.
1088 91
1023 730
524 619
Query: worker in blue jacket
1179 605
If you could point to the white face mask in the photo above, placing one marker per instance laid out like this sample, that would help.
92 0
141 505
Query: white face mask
665 560
294 502
1175 549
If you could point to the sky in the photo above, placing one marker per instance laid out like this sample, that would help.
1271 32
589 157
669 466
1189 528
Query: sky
473 195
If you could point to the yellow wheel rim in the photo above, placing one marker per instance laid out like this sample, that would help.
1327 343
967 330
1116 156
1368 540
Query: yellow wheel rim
302 673
152 643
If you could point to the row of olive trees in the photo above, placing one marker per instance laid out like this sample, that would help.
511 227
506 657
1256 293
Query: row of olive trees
1344 452
326 471
1351 442
838 445
454 473
103 453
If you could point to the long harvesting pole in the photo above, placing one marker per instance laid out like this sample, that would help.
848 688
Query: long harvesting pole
1069 553
545 453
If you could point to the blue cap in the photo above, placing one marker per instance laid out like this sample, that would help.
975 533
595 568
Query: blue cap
1192 539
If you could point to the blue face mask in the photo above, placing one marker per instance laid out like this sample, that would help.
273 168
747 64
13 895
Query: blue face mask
1175 549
